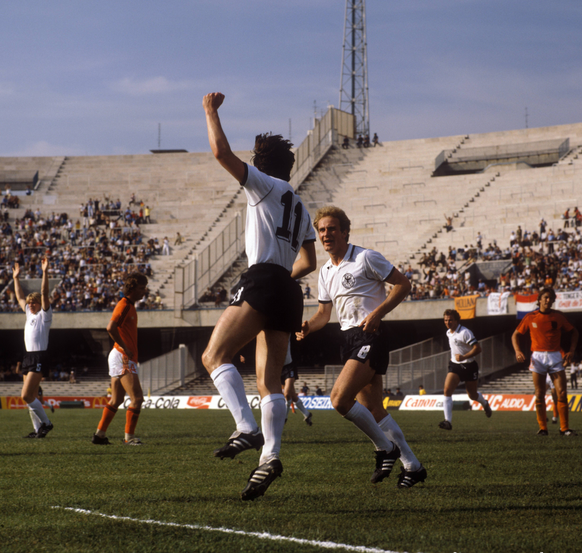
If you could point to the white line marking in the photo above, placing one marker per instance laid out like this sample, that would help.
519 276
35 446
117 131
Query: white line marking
260 535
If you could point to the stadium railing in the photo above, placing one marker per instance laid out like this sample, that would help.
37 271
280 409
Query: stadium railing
431 370
166 371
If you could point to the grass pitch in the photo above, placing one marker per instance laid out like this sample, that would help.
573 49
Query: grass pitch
493 486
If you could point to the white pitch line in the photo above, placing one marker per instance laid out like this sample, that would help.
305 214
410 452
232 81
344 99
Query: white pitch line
260 535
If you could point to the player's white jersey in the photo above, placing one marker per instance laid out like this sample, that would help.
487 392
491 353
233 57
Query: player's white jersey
36 330
355 286
461 342
277 222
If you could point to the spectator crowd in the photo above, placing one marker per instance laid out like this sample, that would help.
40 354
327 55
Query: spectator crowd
90 256
534 260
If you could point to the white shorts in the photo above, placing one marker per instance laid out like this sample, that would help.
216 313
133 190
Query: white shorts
546 362
120 364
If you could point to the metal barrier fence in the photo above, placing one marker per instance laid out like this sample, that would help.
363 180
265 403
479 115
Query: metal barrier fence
192 279
415 351
430 371
168 370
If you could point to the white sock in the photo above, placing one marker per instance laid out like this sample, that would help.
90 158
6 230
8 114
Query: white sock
34 418
481 399
301 407
38 410
364 420
230 385
394 434
448 408
273 411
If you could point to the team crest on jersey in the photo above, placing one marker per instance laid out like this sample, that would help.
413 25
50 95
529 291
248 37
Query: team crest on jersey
348 281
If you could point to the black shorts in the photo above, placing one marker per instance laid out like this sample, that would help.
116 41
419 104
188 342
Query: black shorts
467 372
36 362
270 290
363 346
289 371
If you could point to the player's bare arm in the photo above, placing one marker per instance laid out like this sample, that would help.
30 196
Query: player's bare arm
573 343
317 322
306 261
44 287
17 288
113 331
217 139
400 289
519 356
475 350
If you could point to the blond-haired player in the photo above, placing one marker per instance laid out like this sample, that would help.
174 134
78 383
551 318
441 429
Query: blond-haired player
39 316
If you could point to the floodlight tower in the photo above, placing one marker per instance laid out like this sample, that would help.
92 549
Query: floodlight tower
354 79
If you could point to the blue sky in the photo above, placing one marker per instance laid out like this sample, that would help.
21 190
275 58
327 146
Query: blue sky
96 78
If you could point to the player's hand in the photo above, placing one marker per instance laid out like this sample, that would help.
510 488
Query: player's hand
520 357
370 324
304 331
212 101
44 263
16 270
567 359
459 357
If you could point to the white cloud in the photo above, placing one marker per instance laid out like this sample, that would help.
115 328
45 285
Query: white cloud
155 85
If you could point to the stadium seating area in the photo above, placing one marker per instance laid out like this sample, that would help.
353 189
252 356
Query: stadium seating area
395 203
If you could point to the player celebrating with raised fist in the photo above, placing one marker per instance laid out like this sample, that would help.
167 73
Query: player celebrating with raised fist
268 302
39 316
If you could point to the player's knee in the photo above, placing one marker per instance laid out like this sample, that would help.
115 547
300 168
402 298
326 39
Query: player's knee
27 397
207 360
340 403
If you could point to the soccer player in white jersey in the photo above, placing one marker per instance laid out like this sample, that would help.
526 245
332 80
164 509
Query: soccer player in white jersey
462 366
39 316
353 280
268 302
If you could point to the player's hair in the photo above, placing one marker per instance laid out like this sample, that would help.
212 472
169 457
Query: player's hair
273 156
550 291
133 280
337 213
33 297
452 313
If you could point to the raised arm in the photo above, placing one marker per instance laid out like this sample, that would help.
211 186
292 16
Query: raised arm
44 286
217 139
17 288
400 289
306 261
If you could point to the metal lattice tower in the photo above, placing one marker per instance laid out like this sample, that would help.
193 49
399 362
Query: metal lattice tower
354 79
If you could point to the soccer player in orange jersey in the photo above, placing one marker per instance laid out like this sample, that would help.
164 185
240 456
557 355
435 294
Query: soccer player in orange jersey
545 327
123 361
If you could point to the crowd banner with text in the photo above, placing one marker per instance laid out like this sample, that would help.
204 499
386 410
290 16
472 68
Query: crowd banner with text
466 306
497 303
498 402
568 300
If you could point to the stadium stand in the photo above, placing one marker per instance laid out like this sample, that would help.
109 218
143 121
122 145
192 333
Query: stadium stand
393 193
